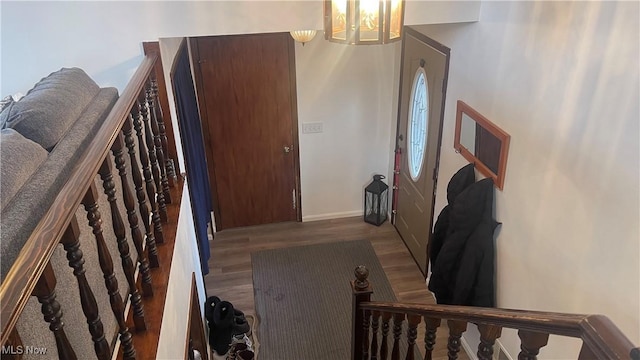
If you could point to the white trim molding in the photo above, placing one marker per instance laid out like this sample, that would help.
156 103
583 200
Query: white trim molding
336 215
467 348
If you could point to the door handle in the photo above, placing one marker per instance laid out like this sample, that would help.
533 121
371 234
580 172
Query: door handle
288 149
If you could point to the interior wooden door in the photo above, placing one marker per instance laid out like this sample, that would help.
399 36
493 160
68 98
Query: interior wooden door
421 106
246 90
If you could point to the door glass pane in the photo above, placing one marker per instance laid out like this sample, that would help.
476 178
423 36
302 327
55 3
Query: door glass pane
417 123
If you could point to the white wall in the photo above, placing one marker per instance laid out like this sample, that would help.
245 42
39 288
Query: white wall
168 49
104 38
173 333
563 80
441 12
350 89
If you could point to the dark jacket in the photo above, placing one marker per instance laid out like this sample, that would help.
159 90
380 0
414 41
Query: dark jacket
459 181
463 271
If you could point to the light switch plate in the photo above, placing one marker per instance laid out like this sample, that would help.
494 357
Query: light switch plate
311 127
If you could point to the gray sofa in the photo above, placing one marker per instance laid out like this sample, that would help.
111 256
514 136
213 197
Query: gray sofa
43 136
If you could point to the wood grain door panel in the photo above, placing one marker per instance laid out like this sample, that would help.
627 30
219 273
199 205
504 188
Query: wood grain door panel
247 86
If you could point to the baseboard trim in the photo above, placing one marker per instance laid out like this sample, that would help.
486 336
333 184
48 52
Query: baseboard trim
502 350
328 216
498 348
467 348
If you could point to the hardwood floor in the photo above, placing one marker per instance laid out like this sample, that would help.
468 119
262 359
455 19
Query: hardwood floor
230 265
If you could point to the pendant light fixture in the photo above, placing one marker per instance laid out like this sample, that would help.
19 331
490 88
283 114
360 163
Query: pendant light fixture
363 21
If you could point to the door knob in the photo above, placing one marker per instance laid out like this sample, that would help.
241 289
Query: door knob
288 149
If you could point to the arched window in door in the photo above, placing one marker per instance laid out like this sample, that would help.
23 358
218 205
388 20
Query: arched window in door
418 122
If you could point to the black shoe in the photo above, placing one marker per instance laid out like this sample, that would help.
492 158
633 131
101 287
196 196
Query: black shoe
208 307
211 303
235 348
221 328
238 313
241 326
245 355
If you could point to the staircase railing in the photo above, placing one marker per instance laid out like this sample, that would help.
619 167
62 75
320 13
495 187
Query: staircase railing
143 171
601 339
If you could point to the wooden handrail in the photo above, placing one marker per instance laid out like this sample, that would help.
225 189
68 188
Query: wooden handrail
36 252
597 332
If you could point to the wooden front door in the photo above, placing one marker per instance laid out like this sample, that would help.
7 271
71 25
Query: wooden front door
247 95
422 92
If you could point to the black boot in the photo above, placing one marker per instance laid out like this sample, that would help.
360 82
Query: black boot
222 330
208 307
240 324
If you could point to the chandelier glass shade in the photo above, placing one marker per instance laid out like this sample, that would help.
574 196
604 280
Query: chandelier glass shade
363 21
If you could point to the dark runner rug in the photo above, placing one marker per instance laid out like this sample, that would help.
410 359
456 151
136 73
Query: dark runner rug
303 298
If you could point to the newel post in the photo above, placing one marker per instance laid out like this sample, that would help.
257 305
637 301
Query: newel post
361 290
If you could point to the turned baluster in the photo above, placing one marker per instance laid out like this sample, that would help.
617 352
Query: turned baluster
156 119
412 335
71 242
140 194
365 334
117 149
431 329
375 325
90 202
488 336
46 294
169 168
361 292
384 347
456 328
123 246
530 344
397 332
148 177
153 159
171 173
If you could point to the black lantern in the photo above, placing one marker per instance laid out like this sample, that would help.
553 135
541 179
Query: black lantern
375 201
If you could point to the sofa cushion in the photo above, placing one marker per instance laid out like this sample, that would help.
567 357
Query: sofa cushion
5 105
49 109
6 102
19 158
22 214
